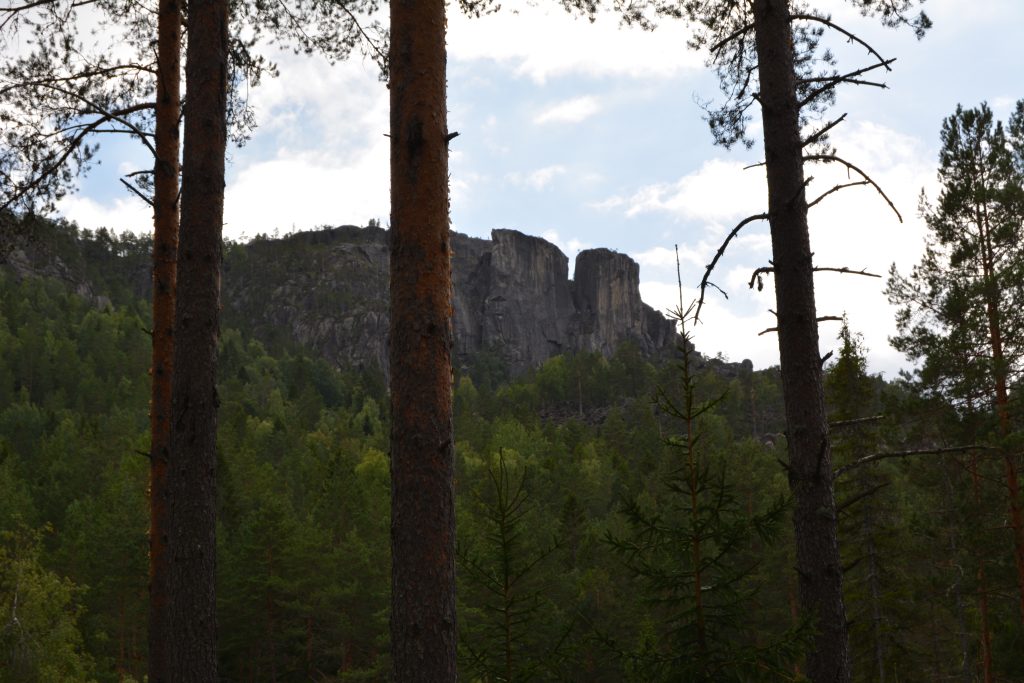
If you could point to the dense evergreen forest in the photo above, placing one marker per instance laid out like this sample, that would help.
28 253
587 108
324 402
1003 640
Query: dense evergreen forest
618 520
186 500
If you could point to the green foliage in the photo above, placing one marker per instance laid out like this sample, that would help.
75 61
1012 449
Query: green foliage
692 548
303 547
39 611
966 286
511 630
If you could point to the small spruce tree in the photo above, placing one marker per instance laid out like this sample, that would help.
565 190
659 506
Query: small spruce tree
689 548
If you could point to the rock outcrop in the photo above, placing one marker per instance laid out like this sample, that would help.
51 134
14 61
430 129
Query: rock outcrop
327 290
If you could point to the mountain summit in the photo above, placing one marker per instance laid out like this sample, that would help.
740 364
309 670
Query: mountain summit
327 290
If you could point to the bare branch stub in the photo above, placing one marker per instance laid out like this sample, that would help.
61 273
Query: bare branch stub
756 276
821 319
834 159
704 283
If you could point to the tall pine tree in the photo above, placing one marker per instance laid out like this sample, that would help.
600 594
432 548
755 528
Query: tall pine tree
960 307
423 631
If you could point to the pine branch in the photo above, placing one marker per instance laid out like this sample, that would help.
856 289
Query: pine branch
860 496
841 186
814 137
704 283
836 27
764 270
824 318
845 271
135 190
905 454
832 158
71 146
851 77
855 422
746 28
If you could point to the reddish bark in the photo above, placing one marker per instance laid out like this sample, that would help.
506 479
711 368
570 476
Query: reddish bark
165 248
810 463
423 634
986 639
191 472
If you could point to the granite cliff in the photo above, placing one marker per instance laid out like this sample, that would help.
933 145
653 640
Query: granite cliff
327 290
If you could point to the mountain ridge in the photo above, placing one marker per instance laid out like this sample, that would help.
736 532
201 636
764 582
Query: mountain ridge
326 290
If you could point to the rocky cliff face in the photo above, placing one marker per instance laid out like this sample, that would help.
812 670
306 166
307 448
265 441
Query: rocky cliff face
327 290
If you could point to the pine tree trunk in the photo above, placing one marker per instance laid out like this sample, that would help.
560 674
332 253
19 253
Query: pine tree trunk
423 635
165 251
810 474
191 472
1002 400
985 635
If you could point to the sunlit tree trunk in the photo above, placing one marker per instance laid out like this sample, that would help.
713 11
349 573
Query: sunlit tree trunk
423 634
165 249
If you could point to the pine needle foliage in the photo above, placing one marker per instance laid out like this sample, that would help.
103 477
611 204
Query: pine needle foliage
511 631
692 552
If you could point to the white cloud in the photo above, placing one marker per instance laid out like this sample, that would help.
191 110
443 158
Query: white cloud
718 192
538 179
569 247
127 214
302 192
854 228
544 43
570 111
332 113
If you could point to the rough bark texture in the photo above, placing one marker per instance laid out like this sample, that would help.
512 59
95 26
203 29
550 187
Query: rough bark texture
423 631
810 475
191 471
1002 399
165 248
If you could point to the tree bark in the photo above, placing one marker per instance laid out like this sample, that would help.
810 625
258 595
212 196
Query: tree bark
191 482
810 474
423 635
165 250
1002 400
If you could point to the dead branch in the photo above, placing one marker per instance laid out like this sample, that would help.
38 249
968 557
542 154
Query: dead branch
905 454
756 275
81 75
814 137
859 497
372 43
135 190
71 146
841 186
846 271
764 270
746 28
853 423
721 250
832 158
836 27
824 318
831 82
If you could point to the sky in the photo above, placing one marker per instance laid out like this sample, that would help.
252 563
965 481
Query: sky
591 135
